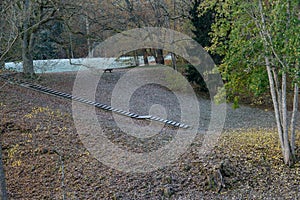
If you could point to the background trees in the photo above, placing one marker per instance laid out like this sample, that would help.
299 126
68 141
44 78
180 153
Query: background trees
22 22
60 29
163 13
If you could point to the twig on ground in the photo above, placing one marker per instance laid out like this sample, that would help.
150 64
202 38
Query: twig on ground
62 174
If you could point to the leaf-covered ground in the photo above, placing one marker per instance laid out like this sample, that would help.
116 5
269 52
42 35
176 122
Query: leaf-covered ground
44 158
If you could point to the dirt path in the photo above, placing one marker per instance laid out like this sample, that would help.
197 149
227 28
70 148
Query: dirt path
242 118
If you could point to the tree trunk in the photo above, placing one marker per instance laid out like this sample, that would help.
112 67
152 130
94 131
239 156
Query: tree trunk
70 52
294 117
287 149
26 44
275 103
27 57
87 26
160 57
3 192
282 124
174 65
145 56
136 59
278 90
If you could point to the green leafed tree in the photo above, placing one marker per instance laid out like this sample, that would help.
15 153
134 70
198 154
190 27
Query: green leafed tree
259 40
201 27
201 23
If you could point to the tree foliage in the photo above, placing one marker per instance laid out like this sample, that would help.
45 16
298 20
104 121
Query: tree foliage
260 44
201 28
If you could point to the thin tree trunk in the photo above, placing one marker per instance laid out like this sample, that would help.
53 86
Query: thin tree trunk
275 103
174 64
167 21
278 91
294 117
145 56
295 100
3 192
71 53
282 126
160 57
287 149
87 26
136 59
174 61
